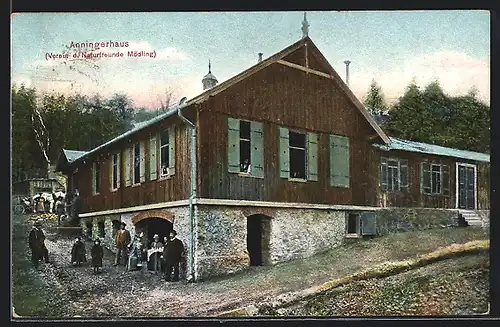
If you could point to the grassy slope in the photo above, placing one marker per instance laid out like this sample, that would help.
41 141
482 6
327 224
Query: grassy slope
455 286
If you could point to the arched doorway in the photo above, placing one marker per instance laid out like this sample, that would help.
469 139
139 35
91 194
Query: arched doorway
258 238
153 225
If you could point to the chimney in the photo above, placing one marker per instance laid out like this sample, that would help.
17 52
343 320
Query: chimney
260 57
347 62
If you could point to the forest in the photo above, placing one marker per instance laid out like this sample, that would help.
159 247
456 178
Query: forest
43 123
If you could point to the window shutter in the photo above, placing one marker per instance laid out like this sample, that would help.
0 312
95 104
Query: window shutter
153 163
142 162
403 175
233 145
257 149
425 177
93 178
339 161
445 179
284 153
118 169
312 156
368 223
127 156
383 174
171 149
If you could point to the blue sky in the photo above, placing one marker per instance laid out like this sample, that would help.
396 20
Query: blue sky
391 47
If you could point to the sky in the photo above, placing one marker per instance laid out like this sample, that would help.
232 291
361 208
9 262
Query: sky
392 47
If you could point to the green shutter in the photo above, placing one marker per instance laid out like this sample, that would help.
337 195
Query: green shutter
171 149
403 175
445 179
368 223
312 156
93 178
383 174
339 161
257 149
425 177
153 162
233 145
284 153
127 157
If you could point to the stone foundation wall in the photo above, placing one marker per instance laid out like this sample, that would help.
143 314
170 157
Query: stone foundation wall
485 217
293 233
390 220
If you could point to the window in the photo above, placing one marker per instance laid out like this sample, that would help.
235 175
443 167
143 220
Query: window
164 153
245 147
298 155
435 178
245 150
353 223
137 164
102 231
115 171
393 174
96 178
297 144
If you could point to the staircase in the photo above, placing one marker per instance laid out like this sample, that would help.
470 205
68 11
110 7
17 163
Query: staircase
472 218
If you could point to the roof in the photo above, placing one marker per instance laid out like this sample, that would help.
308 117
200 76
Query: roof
412 146
241 76
72 155
209 76
137 126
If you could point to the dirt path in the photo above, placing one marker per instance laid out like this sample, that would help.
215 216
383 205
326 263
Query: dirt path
116 293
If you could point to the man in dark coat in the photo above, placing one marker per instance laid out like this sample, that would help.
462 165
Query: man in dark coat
122 240
172 254
78 252
37 244
97 254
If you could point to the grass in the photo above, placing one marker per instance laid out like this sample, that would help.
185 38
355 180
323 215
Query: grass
32 296
401 293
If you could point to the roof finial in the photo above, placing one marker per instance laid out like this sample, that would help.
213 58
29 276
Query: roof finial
209 66
305 26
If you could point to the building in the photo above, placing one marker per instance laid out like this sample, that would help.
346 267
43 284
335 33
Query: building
268 166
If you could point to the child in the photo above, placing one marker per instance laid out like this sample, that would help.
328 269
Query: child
78 253
97 254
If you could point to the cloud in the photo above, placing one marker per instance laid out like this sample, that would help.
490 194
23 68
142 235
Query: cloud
456 72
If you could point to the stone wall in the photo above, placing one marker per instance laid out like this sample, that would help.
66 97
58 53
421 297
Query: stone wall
293 233
485 217
391 220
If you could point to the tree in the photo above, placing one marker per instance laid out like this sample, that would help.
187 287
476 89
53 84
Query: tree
374 100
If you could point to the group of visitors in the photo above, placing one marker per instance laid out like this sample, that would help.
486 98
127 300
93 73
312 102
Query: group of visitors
166 256
60 204
163 256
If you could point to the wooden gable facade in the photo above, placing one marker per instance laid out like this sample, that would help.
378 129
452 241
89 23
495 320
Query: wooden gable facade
298 94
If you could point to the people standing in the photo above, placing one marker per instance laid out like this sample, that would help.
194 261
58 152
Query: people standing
37 244
39 203
76 207
172 254
155 258
97 254
78 252
122 239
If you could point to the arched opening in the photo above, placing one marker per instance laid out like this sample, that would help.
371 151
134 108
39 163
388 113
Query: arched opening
153 225
258 238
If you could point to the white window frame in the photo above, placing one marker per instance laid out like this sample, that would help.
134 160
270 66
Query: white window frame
113 164
96 181
133 164
159 147
398 160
